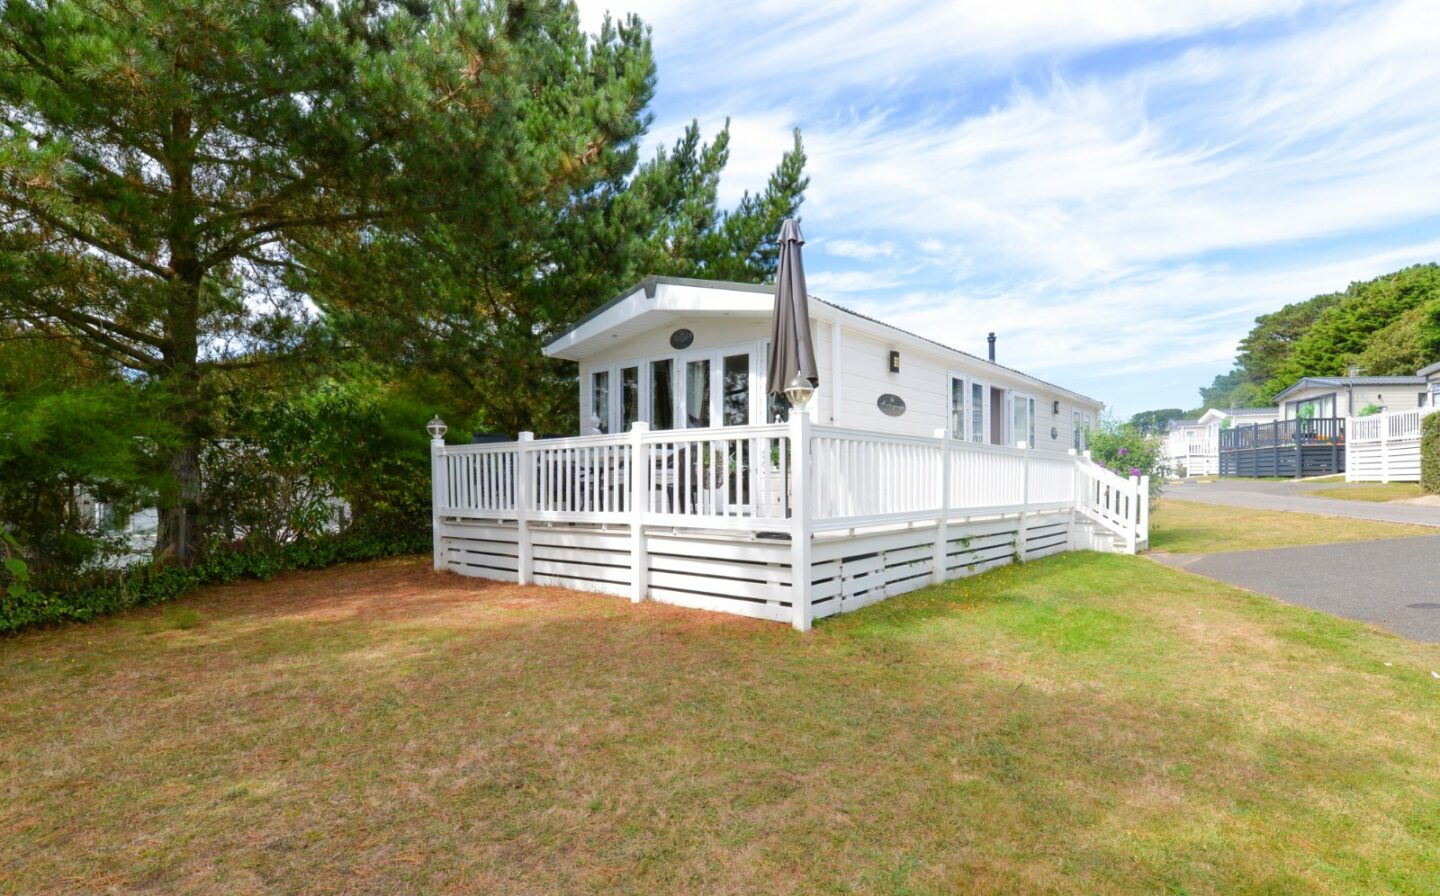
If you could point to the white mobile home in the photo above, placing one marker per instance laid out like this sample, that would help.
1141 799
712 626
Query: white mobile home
679 353
913 463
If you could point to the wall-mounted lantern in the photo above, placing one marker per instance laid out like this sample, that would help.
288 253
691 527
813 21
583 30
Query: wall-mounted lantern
894 361
1056 409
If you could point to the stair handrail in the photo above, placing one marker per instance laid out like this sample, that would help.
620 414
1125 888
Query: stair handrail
1120 504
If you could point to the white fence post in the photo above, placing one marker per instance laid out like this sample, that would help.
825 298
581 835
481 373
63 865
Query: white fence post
1022 536
802 613
525 476
942 527
639 495
1350 473
1143 521
1383 430
439 489
1132 517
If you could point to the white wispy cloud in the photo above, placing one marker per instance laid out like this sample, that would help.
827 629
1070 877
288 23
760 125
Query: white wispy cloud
1117 188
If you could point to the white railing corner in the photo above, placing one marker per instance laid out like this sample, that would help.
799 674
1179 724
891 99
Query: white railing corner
1022 532
941 558
638 478
802 613
1143 523
524 499
438 489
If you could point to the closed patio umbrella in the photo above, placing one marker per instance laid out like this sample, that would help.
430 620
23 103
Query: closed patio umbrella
792 349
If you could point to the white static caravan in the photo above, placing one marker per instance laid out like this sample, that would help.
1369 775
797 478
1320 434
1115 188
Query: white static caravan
678 353
690 486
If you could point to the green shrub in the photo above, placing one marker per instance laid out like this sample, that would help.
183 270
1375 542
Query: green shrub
1430 454
1369 410
1125 450
22 607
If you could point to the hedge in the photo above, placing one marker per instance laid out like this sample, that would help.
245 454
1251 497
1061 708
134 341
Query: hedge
157 584
1430 454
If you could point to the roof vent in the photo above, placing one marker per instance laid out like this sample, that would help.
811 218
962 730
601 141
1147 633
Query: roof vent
991 339
1354 370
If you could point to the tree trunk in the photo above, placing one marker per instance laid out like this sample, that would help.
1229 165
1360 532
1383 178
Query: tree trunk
178 535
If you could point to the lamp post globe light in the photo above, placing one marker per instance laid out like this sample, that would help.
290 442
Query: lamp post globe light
436 427
799 392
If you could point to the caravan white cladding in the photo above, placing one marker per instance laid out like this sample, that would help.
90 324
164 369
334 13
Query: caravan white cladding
720 518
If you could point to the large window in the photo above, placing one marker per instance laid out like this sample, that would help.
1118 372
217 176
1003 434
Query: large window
1081 425
600 401
968 412
977 412
1023 420
735 390
690 389
1311 408
697 393
629 397
957 408
662 394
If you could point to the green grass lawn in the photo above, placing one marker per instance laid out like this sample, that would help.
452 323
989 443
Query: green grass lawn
1370 491
1191 527
1085 723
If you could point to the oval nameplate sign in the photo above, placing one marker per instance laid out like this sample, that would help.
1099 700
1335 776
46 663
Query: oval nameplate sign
681 338
890 405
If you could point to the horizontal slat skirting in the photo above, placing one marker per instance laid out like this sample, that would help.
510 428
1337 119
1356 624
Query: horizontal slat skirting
775 612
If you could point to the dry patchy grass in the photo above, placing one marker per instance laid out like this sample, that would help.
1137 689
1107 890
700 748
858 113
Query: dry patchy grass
1370 491
1191 527
1085 724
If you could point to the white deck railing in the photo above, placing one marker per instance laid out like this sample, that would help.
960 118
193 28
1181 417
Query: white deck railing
743 478
793 479
1384 447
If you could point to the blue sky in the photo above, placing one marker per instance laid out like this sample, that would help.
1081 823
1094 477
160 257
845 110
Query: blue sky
1116 188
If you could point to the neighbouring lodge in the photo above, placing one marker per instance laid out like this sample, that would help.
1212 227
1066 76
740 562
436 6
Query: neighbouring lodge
689 483
1367 427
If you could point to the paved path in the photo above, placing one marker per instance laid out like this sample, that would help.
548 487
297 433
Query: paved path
1264 495
1393 583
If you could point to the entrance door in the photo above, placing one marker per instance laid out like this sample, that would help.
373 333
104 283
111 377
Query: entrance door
999 417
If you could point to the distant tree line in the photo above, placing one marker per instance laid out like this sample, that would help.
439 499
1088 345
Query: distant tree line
248 248
1386 326
1389 326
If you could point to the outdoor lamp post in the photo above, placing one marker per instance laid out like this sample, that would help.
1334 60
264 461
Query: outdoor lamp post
437 428
799 392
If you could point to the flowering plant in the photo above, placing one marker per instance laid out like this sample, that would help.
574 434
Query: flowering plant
1126 451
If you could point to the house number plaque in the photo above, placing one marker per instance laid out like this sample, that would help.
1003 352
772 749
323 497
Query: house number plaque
890 405
681 339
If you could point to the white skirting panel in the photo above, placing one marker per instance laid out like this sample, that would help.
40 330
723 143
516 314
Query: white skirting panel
485 550
1396 461
750 577
852 571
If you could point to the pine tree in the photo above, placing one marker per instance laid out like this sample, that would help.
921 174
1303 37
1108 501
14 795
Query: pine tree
180 178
